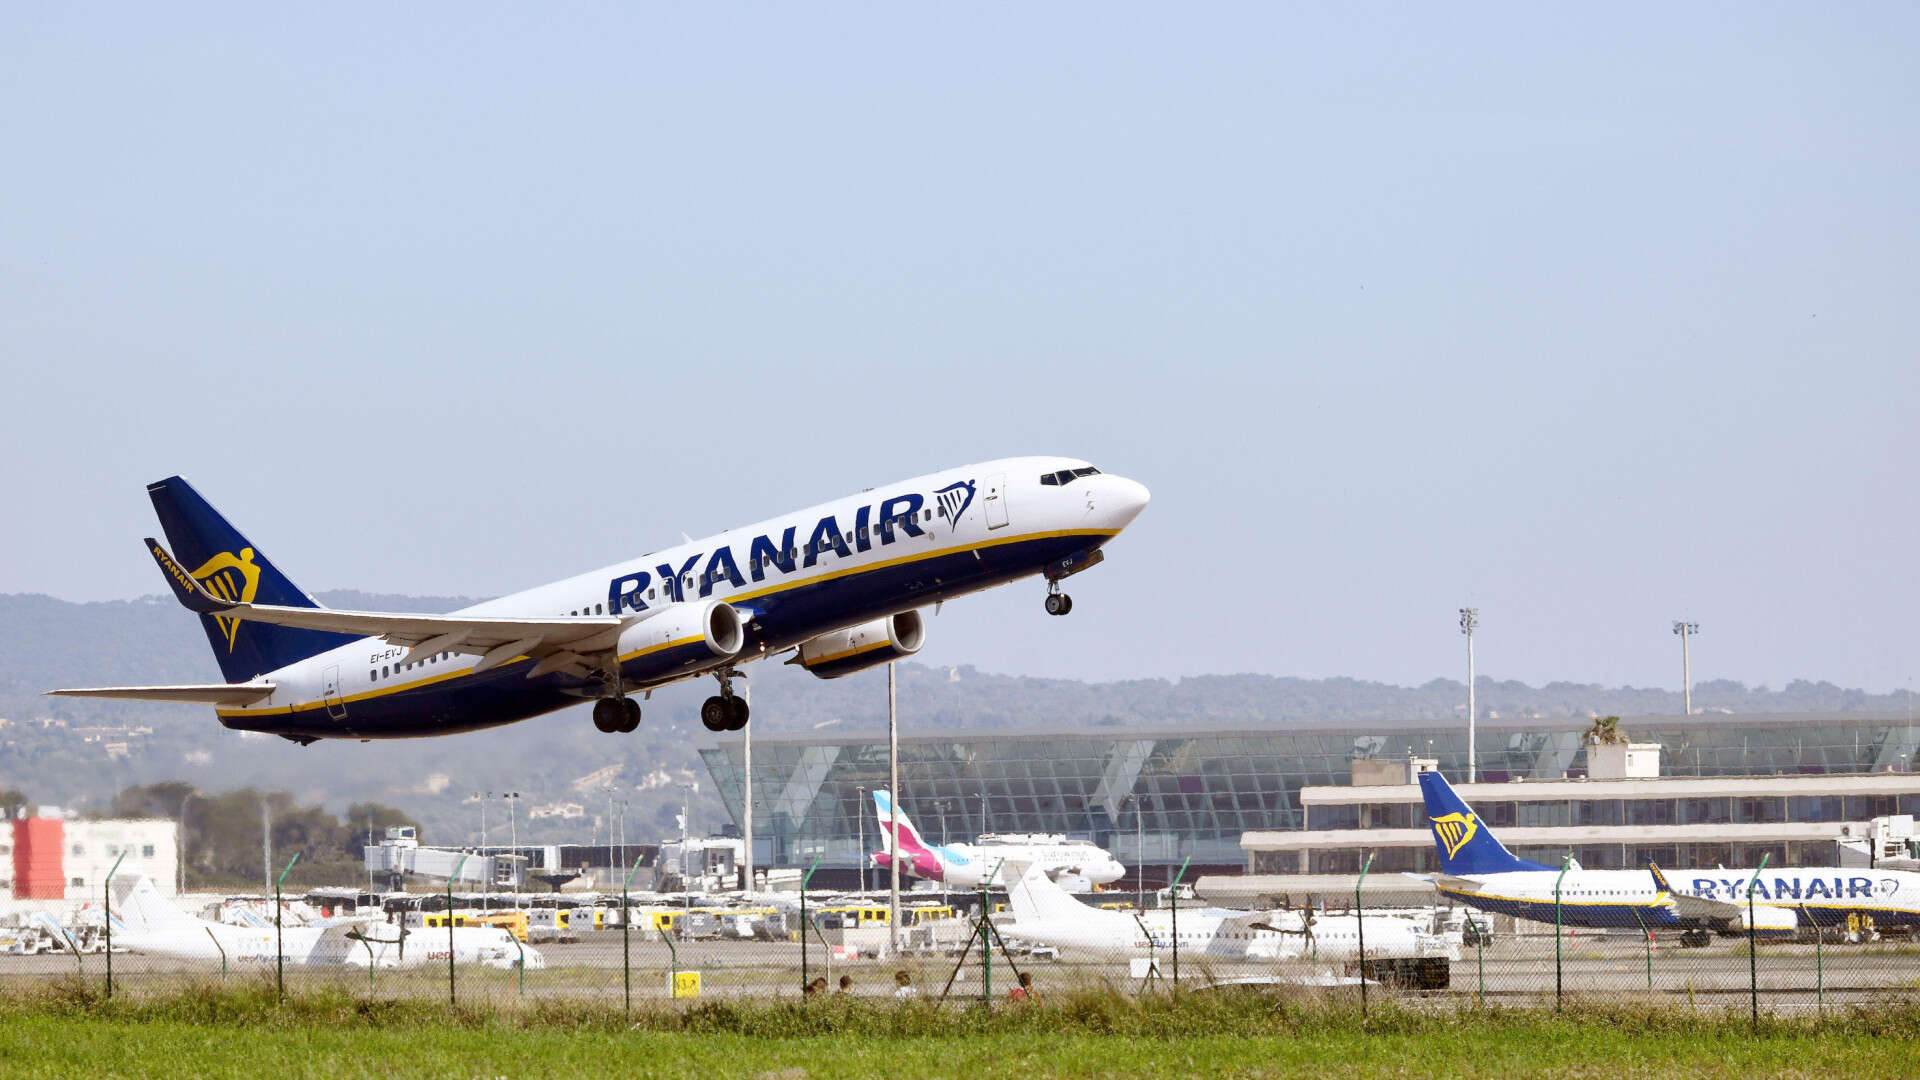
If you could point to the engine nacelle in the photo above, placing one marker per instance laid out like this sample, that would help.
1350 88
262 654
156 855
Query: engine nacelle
684 637
870 644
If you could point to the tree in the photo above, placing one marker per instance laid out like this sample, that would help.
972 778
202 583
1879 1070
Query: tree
1606 730
13 801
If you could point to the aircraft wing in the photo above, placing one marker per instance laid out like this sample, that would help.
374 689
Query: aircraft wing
1703 909
561 641
1692 907
1455 884
206 694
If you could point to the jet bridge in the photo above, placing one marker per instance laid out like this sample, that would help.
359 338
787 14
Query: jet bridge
399 856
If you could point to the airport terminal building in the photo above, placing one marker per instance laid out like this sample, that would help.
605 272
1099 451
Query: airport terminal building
1281 798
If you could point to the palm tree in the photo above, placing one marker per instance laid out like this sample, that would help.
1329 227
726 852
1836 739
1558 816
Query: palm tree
1606 729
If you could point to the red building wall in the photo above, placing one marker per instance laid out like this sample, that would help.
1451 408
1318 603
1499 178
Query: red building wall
38 859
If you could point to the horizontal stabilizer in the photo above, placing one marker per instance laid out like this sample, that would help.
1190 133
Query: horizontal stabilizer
207 694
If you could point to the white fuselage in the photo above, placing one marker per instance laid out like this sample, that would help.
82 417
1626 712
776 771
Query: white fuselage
792 578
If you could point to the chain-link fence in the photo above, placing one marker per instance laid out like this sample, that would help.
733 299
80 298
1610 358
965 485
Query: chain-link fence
1005 944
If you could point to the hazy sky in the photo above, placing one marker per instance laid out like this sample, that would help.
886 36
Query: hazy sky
1595 319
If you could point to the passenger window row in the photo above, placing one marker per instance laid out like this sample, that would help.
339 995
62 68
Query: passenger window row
394 669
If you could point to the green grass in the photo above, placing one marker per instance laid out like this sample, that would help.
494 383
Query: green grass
211 1033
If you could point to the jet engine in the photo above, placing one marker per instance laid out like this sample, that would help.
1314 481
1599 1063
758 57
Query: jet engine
870 644
684 637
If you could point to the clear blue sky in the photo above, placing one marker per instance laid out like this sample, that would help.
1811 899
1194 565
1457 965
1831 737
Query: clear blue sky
1592 319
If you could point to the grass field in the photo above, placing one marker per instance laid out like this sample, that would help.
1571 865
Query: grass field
216 1034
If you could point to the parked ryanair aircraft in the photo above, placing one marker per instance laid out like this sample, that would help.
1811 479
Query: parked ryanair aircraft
1479 871
840 584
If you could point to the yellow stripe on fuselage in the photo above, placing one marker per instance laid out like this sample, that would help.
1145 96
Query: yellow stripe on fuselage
307 706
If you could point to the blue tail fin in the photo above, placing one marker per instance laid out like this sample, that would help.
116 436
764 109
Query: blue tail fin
231 568
1465 844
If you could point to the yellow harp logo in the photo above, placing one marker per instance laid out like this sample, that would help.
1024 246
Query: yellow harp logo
232 578
1454 830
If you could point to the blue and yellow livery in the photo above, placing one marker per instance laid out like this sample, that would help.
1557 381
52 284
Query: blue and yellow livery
840 584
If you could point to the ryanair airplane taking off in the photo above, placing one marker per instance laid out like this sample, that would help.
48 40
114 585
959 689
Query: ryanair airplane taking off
840 584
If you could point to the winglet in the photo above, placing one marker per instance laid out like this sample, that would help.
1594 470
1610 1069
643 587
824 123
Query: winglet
1660 883
185 588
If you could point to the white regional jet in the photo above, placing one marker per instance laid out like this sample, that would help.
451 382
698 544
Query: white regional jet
144 922
841 584
964 866
1044 914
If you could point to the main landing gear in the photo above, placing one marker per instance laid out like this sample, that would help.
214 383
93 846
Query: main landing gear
725 711
616 714
1058 603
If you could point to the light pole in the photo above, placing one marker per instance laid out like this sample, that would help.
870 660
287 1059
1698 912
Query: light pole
893 810
513 838
1139 852
482 797
746 810
941 805
1469 619
860 824
1686 630
180 846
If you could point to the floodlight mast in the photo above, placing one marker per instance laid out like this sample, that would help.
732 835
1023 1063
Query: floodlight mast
1686 630
1469 619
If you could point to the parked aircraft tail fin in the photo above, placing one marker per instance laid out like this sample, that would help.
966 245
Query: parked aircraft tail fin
1465 843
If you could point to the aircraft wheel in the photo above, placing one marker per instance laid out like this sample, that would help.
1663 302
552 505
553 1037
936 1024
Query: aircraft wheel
714 714
608 715
1066 604
737 712
1057 603
630 715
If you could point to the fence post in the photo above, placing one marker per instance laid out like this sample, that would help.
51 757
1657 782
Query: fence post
1753 956
1646 943
1173 897
1819 961
626 938
673 961
804 882
107 906
223 954
368 945
1480 957
1360 930
279 946
986 936
1565 865
457 867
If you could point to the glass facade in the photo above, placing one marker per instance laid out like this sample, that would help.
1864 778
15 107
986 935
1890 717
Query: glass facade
1157 797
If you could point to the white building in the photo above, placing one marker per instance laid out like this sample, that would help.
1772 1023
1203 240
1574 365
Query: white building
88 850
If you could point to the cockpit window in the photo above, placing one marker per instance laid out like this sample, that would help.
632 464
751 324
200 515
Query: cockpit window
1067 476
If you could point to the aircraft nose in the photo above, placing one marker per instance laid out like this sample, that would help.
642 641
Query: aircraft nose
1123 499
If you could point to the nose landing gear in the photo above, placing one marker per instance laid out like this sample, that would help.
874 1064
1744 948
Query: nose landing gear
621 714
1058 603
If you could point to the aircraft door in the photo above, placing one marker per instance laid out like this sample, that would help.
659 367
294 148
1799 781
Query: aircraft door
995 500
330 693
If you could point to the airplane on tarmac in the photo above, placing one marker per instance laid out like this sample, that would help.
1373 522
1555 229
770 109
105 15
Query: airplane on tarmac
841 584
964 866
1044 914
144 922
1476 869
